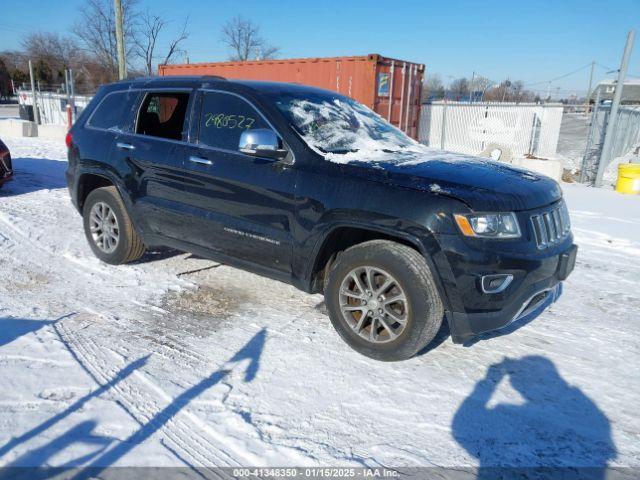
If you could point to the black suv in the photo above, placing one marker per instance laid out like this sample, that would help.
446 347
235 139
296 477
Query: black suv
312 188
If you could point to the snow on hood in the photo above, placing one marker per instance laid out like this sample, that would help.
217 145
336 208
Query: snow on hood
344 131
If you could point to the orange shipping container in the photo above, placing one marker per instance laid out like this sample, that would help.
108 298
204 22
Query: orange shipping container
388 86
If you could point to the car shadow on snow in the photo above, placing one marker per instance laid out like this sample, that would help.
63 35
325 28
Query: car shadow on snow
33 174
555 430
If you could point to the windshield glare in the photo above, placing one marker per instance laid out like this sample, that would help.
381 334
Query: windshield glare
337 124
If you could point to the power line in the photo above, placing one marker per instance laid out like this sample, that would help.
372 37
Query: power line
561 76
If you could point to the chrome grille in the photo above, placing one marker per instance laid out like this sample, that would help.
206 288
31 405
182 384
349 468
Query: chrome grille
552 226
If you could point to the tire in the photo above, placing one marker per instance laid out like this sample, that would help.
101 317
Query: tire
129 246
421 310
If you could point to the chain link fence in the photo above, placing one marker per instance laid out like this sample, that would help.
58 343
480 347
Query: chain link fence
626 139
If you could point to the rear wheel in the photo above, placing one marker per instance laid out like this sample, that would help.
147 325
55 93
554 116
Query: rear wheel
383 301
109 229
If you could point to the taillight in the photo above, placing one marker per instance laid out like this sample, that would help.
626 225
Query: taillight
68 139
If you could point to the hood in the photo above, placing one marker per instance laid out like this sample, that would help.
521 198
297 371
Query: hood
482 184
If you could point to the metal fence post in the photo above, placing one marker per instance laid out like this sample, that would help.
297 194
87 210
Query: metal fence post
592 129
36 114
608 137
73 95
444 123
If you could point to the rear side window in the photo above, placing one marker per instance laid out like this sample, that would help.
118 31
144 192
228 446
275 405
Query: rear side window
114 112
163 114
223 119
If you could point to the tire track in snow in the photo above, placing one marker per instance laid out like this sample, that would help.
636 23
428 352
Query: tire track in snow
181 432
185 436
191 439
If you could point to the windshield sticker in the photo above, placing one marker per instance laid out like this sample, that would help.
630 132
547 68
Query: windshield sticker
223 120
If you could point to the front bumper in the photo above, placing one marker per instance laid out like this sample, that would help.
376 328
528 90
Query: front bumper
537 284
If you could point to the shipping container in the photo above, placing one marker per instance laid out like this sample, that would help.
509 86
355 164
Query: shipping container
388 86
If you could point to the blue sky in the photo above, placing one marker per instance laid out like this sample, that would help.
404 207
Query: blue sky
529 40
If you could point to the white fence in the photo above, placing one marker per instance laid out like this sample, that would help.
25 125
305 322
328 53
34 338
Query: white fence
53 106
472 127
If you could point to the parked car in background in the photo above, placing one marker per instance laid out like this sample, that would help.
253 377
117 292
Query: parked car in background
314 189
6 168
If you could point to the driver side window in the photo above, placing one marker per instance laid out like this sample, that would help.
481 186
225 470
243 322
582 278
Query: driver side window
224 117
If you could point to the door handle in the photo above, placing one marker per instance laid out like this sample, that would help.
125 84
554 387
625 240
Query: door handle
125 146
200 160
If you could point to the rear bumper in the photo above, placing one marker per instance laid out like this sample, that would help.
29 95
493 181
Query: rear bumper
537 283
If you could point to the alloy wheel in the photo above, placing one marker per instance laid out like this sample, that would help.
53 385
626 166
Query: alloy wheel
374 304
103 225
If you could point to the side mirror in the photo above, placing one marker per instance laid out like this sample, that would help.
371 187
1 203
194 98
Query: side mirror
261 142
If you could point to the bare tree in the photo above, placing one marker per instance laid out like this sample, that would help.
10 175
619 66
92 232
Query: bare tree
508 91
244 40
56 50
479 84
459 88
174 46
433 88
52 54
97 31
149 29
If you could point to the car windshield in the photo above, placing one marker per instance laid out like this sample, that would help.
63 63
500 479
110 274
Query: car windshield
332 123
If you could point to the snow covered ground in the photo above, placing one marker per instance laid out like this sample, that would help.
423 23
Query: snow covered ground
177 360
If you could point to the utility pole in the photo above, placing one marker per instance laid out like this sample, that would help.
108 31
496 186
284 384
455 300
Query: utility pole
122 69
473 78
72 94
586 102
615 104
36 114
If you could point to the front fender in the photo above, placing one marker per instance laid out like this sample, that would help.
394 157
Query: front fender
405 232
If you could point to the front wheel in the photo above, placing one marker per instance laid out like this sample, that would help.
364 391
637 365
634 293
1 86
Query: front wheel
109 229
383 301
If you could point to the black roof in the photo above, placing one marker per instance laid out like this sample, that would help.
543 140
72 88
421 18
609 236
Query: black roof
195 81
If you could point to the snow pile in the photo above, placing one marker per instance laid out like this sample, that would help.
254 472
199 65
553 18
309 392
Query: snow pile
610 175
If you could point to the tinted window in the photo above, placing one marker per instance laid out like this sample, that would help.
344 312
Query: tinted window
114 112
223 119
162 115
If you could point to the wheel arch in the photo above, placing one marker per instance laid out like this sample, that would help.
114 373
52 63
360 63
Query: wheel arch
339 237
91 179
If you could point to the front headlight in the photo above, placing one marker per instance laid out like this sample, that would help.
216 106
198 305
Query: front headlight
488 225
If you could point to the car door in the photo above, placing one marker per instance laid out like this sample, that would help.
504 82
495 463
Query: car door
154 157
241 206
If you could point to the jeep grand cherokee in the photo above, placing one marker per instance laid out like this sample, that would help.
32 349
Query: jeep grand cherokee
312 188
